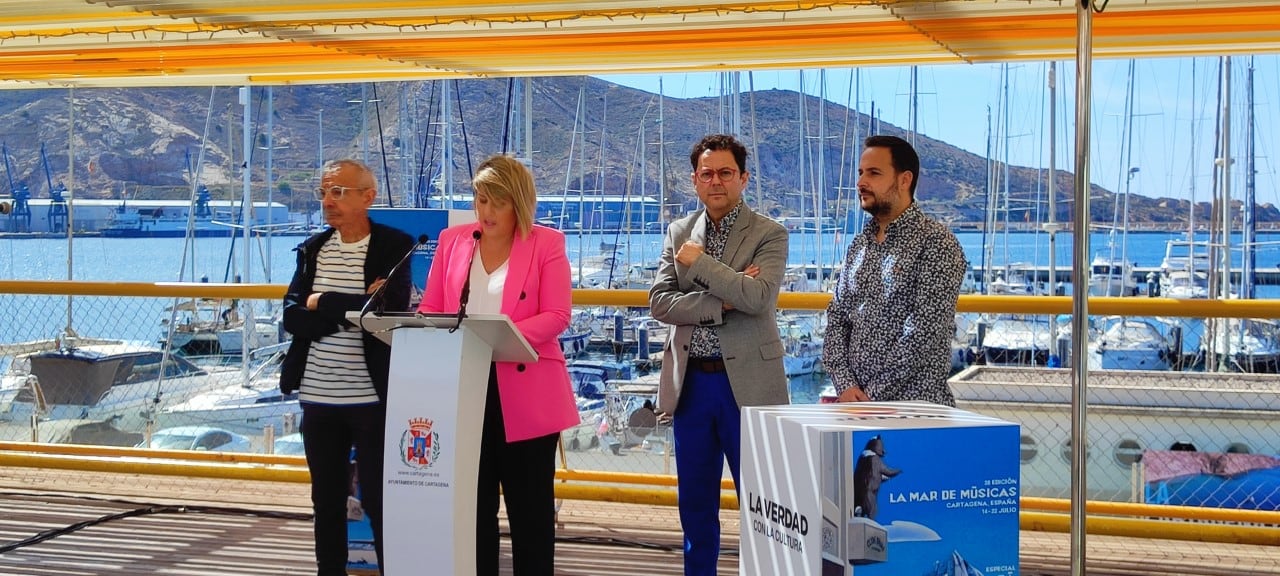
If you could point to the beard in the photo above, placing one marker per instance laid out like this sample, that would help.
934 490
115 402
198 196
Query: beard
880 204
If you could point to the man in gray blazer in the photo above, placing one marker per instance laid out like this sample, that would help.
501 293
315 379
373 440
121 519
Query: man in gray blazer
717 285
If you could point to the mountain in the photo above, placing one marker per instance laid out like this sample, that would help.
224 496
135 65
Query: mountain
140 143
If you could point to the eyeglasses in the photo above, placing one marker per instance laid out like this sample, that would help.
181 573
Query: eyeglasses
336 192
724 174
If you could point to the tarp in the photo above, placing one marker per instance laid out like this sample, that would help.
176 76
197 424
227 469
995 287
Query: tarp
236 42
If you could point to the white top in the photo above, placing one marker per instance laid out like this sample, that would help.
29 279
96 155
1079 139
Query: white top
336 372
486 288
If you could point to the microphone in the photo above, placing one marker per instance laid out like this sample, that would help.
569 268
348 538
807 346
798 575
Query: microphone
377 294
466 286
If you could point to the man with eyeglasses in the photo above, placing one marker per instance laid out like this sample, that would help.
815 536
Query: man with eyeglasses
893 315
340 372
717 285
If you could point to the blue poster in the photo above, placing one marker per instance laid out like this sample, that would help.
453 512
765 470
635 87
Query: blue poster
417 222
946 500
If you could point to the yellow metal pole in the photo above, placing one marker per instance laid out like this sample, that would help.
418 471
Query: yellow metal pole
289 469
1097 507
1200 308
167 468
626 478
151 453
1153 529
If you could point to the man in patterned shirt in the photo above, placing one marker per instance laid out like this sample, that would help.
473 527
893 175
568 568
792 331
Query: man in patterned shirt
890 323
340 372
717 285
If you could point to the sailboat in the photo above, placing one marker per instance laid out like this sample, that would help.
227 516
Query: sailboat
215 327
1112 273
1007 339
248 407
1242 344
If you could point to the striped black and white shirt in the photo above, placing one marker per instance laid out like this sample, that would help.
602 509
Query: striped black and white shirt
336 372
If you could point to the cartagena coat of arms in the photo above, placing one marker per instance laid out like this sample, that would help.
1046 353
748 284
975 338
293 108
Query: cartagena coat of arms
419 445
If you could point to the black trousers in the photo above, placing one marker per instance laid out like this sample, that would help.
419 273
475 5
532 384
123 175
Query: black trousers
526 471
328 434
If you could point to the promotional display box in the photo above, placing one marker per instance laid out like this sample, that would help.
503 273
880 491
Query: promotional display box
878 489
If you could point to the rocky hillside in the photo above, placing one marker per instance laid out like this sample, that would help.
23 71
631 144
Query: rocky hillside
147 143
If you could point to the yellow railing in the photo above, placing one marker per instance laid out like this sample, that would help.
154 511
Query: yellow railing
1199 308
1043 514
1137 520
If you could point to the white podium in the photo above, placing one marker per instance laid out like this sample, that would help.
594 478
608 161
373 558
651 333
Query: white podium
435 416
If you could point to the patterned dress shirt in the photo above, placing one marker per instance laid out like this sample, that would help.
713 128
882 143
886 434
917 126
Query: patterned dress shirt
891 321
705 342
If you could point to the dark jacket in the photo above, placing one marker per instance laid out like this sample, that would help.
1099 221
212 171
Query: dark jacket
386 246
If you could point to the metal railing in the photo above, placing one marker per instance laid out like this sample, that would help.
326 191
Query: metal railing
579 480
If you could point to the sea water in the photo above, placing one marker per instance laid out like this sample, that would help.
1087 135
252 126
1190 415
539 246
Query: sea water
221 259
273 260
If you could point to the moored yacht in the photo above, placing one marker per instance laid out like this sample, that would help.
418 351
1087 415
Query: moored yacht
1129 343
123 385
1184 271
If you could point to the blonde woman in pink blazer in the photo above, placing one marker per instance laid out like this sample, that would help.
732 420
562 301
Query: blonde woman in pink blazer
519 269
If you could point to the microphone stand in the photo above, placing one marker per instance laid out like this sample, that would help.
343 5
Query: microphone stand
377 294
466 286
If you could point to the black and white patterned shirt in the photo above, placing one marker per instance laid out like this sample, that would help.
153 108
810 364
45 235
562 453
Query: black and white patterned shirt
891 321
336 372
705 341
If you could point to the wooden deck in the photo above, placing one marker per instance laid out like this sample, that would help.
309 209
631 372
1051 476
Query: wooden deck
169 525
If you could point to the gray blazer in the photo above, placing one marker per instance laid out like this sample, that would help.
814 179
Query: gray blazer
687 296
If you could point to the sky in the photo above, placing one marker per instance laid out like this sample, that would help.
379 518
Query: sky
962 105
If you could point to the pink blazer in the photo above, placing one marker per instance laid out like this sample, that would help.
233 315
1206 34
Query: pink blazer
537 399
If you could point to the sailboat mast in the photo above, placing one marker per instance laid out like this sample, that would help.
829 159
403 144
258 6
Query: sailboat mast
914 103
1004 157
989 223
246 220
755 140
364 123
857 148
1225 163
584 216
1051 225
735 81
527 117
71 181
446 119
1129 171
271 101
803 139
319 139
819 198
1249 235
1191 177
662 161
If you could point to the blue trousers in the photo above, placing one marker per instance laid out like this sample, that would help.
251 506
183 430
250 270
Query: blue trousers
707 430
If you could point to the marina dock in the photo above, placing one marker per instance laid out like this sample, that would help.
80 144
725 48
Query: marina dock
1263 276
